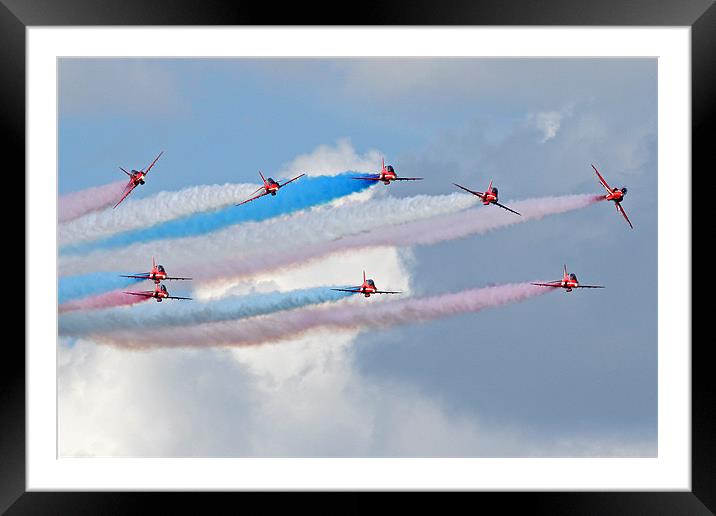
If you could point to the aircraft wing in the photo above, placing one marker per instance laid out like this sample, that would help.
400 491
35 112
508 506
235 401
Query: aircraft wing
620 209
347 289
506 208
254 197
385 292
143 275
176 278
153 162
176 297
146 293
590 286
367 178
284 184
408 179
127 190
479 194
555 283
601 180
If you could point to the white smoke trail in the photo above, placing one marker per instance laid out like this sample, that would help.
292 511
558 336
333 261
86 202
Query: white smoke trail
273 236
419 232
76 204
276 327
162 207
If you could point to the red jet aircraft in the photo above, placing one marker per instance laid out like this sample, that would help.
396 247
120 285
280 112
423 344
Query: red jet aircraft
367 288
269 187
387 174
614 194
157 274
136 178
159 293
568 282
488 197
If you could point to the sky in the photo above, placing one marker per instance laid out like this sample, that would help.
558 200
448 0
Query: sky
558 375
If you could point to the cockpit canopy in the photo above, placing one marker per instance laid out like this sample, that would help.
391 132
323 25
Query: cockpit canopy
624 190
573 276
494 190
370 282
389 168
160 268
271 181
163 288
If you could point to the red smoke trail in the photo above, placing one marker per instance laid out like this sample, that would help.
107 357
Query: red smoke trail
107 300
285 325
76 204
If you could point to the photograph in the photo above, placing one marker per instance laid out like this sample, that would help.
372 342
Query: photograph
424 248
357 257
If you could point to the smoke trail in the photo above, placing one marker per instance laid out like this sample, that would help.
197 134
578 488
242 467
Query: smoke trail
275 327
76 204
83 285
420 232
278 235
162 207
156 315
309 191
106 300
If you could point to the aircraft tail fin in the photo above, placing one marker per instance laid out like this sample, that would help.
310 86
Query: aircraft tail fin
363 276
262 177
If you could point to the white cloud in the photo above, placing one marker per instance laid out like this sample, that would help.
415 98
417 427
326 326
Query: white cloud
548 122
329 160
299 398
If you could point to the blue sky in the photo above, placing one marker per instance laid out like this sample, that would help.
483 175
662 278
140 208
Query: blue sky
570 367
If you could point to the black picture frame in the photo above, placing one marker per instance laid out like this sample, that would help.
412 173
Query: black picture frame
700 15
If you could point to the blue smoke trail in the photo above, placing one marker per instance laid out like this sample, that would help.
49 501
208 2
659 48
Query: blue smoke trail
187 313
304 193
77 287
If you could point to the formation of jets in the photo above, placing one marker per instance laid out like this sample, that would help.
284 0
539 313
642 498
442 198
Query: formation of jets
157 275
386 176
